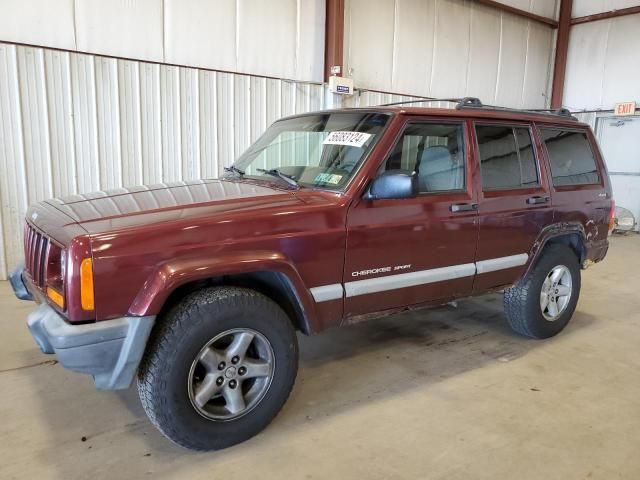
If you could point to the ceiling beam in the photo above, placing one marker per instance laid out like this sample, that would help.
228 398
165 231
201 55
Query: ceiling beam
550 22
333 37
604 15
562 48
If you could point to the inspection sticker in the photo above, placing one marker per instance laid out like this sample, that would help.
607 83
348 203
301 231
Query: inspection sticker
352 139
331 178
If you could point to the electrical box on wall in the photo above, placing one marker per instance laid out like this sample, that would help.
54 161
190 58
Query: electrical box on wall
341 85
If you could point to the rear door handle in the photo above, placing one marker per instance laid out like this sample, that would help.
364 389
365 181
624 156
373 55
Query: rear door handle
463 207
536 200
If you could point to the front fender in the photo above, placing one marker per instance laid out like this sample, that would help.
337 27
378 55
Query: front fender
177 272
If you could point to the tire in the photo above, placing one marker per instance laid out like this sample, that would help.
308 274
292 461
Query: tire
176 374
523 303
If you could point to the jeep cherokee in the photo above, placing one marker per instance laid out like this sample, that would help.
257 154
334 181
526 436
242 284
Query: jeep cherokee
197 288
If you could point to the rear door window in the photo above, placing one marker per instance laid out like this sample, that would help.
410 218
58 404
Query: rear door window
507 158
570 156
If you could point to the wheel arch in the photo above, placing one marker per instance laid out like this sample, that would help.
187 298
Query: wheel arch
571 235
573 240
268 273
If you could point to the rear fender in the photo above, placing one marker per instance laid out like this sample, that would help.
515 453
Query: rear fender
555 231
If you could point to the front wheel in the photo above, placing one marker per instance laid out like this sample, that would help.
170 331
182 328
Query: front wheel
219 367
543 302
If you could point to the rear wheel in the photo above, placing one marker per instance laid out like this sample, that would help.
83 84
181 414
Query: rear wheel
218 368
542 304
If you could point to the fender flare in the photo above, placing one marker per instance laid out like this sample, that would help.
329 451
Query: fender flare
177 272
550 232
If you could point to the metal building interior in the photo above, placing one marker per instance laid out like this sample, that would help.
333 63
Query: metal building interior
99 95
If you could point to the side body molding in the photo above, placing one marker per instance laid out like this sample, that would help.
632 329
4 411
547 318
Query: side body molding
175 273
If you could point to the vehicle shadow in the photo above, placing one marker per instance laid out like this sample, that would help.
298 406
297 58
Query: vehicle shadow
347 366
340 369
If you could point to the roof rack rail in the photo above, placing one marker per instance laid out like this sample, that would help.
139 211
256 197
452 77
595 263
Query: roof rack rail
565 112
476 103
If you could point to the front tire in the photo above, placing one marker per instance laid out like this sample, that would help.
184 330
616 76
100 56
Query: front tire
542 303
218 368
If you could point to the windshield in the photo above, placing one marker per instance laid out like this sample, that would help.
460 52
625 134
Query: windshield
318 150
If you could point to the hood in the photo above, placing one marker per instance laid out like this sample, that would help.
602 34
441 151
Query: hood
136 206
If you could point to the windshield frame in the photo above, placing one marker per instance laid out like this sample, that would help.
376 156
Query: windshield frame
356 171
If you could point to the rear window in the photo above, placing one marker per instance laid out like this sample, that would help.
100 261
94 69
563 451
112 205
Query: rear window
571 157
507 159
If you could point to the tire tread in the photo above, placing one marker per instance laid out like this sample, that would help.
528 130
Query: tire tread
521 302
165 340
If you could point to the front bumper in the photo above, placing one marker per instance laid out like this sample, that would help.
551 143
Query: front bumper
109 350
17 283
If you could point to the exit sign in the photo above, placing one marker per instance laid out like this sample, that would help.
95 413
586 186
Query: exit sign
626 108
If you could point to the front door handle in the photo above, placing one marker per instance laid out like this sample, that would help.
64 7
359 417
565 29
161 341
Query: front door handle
463 207
537 200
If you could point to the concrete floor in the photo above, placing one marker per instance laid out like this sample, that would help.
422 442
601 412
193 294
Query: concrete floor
448 393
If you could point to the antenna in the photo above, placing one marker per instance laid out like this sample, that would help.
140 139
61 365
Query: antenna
422 100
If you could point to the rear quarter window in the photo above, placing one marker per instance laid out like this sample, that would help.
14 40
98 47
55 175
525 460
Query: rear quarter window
507 159
570 156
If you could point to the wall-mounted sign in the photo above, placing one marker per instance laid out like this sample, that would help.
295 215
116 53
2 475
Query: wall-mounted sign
625 108
341 85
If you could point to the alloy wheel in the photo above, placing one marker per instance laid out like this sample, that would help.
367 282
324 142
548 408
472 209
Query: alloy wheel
556 292
231 374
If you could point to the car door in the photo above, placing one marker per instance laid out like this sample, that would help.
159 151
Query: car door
514 201
414 250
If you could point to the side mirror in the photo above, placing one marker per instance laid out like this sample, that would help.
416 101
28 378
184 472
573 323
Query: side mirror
393 184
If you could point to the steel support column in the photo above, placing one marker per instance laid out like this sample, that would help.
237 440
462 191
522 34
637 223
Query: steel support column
562 47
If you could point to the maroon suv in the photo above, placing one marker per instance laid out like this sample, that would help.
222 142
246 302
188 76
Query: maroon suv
198 288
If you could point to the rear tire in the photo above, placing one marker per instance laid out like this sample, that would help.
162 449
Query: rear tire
542 303
218 368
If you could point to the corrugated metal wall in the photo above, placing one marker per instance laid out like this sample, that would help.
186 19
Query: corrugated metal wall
445 48
603 64
74 123
582 8
279 38
587 117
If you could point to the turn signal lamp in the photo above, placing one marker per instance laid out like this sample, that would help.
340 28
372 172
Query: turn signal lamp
54 274
56 297
86 284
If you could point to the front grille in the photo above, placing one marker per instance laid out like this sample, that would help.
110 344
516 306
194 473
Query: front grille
35 253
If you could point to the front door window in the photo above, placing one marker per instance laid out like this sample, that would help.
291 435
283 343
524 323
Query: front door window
435 152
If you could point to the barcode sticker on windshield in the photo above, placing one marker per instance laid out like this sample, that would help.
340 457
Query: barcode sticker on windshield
352 139
331 178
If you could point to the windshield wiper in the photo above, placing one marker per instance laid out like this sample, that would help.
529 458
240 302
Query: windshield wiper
234 169
274 172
